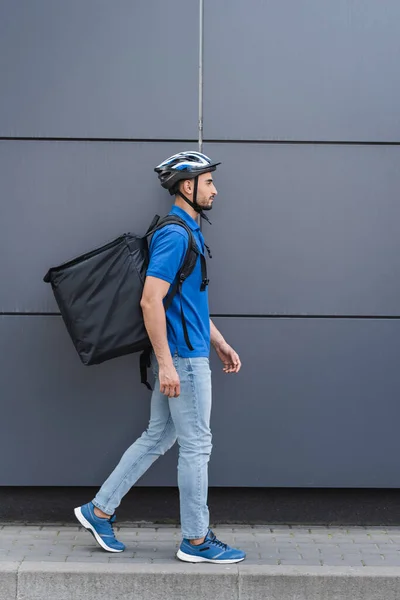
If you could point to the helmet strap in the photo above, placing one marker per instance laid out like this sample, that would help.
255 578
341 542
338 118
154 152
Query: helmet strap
194 204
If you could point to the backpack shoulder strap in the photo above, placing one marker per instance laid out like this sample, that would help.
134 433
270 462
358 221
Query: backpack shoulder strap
158 223
189 263
192 252
152 226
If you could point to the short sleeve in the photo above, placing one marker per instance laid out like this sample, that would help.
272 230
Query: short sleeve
167 252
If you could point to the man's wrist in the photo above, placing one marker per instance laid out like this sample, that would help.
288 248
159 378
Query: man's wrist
165 364
164 359
217 339
218 343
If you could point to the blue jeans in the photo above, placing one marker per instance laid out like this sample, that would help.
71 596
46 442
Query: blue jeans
186 419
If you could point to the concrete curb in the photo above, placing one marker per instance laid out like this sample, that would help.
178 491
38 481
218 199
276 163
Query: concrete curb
8 580
316 583
95 581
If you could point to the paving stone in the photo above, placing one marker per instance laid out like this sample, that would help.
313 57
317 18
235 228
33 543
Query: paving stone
267 545
79 552
289 555
391 562
392 553
54 550
58 558
312 546
123 557
6 559
87 559
164 561
347 547
370 551
38 557
145 544
121 560
373 562
350 558
297 561
333 562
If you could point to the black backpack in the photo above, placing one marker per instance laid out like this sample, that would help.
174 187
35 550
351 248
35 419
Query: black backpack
99 293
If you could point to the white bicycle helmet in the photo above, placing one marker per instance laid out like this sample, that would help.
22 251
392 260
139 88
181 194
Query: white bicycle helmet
184 165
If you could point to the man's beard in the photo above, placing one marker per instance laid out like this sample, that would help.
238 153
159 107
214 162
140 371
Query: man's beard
207 207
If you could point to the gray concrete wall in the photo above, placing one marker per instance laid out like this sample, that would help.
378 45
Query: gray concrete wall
301 106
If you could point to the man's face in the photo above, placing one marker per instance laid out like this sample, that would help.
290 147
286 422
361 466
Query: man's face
206 190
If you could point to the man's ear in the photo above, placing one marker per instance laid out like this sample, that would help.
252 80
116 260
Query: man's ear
187 186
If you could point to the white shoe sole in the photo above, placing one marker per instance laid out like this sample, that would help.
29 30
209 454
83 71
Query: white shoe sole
199 559
89 527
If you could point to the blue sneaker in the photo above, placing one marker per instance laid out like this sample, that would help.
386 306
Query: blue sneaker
101 529
211 550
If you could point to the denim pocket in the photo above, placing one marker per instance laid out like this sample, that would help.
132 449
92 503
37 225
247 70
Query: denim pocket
197 366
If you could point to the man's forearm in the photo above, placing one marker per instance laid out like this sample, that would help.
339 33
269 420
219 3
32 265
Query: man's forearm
156 326
217 339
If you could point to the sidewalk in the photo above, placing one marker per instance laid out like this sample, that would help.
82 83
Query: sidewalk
61 562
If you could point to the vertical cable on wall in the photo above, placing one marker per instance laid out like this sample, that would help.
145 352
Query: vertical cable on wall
201 33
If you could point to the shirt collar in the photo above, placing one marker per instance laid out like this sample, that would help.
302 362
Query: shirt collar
179 212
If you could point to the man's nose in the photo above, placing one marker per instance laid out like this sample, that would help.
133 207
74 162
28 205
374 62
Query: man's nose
215 190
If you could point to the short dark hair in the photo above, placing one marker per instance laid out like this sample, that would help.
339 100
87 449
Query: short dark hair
175 188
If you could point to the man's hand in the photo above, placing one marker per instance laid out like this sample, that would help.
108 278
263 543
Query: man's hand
169 381
229 357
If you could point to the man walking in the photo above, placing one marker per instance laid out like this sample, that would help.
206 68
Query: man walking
181 401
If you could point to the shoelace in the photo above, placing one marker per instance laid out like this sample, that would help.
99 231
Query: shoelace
218 543
111 520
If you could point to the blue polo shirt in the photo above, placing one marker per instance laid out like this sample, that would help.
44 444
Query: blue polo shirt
167 252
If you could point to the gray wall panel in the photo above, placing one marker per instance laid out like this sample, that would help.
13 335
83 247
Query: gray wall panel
322 221
89 68
64 198
310 70
305 229
63 423
316 404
